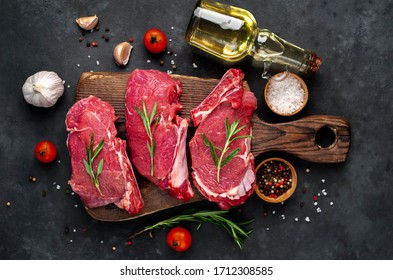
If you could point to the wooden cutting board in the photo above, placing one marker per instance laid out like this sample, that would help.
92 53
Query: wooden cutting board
296 137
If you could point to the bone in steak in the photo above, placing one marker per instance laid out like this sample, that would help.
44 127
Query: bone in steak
237 178
117 181
168 169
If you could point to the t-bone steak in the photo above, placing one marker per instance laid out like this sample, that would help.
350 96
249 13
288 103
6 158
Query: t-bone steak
117 183
161 158
236 179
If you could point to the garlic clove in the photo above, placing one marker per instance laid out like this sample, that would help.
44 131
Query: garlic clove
87 23
121 53
43 89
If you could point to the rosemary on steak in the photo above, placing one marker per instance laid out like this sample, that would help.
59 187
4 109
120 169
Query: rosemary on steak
147 122
92 154
230 132
211 216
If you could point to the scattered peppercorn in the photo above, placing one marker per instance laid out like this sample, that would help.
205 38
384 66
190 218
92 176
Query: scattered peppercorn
81 39
301 204
32 179
304 190
67 191
173 67
43 193
106 39
161 62
106 29
66 230
87 44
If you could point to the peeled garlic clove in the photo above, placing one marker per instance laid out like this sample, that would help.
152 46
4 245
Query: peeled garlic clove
87 23
43 89
122 53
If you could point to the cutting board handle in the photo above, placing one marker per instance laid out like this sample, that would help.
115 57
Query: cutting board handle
299 138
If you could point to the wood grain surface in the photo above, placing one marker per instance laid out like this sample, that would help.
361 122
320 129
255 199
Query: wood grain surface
296 137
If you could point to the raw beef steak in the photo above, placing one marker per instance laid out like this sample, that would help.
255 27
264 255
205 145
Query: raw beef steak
117 182
154 96
227 102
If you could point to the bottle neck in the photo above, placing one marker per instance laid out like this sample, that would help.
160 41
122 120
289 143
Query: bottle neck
268 47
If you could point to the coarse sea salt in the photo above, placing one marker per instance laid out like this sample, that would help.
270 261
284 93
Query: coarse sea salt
285 96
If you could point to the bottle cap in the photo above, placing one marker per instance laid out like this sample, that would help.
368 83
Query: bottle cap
314 63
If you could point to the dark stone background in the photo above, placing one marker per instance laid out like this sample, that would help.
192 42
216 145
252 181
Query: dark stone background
355 82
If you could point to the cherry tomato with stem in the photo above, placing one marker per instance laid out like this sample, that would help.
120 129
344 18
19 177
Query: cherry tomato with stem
45 151
155 40
179 239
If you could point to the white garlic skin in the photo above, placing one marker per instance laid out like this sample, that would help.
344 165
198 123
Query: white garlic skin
121 53
43 89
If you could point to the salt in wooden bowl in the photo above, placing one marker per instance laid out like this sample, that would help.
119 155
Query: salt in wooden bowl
286 94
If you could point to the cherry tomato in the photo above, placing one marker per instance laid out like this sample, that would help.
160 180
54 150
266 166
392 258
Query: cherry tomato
155 40
179 239
45 151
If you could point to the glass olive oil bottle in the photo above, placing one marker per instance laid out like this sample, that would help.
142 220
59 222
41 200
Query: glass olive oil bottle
231 34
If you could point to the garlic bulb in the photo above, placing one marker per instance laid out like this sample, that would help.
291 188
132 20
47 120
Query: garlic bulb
43 89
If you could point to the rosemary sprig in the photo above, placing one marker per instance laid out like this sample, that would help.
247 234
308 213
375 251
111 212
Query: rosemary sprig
147 122
230 132
211 216
91 156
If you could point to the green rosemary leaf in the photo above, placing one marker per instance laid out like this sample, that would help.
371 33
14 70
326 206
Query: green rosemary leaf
87 167
230 157
90 148
139 112
242 137
212 150
97 150
144 108
91 155
100 167
153 113
205 140
237 130
227 129
233 127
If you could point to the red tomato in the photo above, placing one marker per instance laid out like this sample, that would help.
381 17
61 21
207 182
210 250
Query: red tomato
179 239
45 151
155 40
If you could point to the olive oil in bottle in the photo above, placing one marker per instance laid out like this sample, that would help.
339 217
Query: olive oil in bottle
231 34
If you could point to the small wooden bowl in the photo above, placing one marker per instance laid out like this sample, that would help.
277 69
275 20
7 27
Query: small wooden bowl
283 196
277 78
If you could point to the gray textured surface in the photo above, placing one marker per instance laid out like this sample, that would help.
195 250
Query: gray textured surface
354 39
